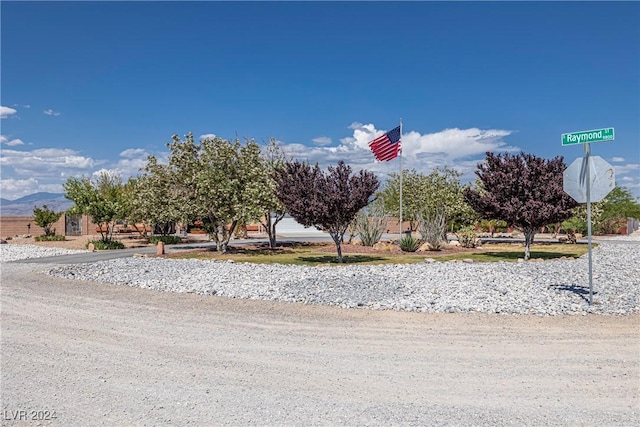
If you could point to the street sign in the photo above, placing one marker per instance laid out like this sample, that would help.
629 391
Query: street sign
587 136
601 176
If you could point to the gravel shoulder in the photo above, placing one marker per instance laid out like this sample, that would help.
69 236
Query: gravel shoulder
104 354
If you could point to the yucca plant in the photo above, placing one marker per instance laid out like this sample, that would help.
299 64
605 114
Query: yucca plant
409 243
370 228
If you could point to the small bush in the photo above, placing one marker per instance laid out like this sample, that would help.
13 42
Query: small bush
409 244
467 237
102 245
167 240
45 217
50 238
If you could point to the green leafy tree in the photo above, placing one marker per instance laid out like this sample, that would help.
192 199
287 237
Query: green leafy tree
617 206
434 198
523 190
577 223
229 186
274 210
328 201
216 181
102 199
608 216
154 198
45 218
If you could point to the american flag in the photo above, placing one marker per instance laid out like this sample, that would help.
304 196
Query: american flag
387 146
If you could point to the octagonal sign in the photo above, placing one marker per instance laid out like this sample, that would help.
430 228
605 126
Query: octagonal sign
601 174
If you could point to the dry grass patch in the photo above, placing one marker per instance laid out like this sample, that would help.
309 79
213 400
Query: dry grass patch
313 254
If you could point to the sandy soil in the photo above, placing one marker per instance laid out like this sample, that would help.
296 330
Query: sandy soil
97 354
80 242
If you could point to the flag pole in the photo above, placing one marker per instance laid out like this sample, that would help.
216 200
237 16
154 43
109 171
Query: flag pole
400 142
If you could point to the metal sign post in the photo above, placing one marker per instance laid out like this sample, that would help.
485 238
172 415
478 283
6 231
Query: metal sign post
587 152
578 181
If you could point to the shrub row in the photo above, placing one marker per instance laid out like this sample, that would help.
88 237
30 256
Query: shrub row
53 238
102 245
167 240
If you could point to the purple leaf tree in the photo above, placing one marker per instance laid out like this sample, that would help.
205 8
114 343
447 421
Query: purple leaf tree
523 190
328 201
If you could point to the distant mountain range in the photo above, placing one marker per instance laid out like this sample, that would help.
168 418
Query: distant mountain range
24 205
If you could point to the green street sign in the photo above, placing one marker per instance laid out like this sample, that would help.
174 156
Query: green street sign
586 136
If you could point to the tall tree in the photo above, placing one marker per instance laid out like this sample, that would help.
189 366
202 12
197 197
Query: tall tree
328 201
425 197
229 185
215 180
102 200
273 157
151 198
523 190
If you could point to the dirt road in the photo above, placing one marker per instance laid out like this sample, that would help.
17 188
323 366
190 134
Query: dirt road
96 354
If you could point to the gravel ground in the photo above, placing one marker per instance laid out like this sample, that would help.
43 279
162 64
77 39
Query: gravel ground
16 252
540 288
96 354
92 353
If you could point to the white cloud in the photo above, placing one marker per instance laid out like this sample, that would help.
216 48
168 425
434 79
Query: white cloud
132 153
617 159
207 136
113 172
629 177
461 149
131 161
322 140
45 162
50 112
625 169
6 112
12 189
10 142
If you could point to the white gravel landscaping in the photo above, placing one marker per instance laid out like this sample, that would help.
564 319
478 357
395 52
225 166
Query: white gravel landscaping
18 252
556 287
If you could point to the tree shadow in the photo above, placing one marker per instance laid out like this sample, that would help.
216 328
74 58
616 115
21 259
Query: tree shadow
533 255
333 259
581 291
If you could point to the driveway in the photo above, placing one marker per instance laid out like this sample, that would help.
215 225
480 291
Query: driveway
99 354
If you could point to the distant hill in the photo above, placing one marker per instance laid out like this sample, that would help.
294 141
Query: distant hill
24 205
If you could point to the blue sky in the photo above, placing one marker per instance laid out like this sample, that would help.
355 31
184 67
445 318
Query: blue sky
91 86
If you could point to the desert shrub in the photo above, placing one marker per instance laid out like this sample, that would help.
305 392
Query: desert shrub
409 243
432 228
45 217
370 228
467 237
167 240
50 238
110 244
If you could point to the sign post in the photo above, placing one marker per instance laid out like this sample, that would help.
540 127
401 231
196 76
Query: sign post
603 186
587 152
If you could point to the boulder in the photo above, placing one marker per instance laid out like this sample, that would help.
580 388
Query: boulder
383 246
